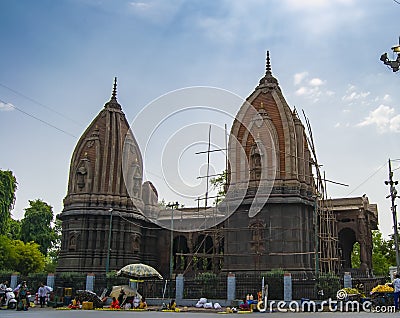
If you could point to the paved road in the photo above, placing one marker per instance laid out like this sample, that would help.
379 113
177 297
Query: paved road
44 313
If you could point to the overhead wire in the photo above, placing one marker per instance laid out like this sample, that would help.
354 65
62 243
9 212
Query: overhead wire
37 118
40 104
367 179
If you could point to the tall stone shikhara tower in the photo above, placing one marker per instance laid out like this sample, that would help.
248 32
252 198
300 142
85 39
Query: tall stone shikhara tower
269 154
100 181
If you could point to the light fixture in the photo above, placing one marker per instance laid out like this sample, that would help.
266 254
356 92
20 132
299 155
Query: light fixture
395 64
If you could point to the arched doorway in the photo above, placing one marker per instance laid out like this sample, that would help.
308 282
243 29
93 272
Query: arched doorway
347 239
180 247
204 246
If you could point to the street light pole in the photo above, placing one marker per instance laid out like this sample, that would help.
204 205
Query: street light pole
109 241
393 196
171 256
393 64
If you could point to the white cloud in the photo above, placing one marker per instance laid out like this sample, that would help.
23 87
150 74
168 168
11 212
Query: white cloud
302 91
387 98
155 11
384 118
298 77
316 82
140 5
6 106
352 94
321 17
315 4
310 88
395 124
330 93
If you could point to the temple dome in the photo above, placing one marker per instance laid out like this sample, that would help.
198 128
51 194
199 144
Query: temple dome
268 137
106 167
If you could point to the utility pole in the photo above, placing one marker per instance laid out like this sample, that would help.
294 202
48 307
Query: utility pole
393 196
171 256
109 241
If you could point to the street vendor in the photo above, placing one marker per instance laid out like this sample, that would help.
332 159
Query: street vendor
121 297
75 304
142 304
115 303
172 305
396 294
244 305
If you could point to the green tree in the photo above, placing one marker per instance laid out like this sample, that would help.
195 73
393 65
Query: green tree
8 186
219 184
27 258
36 225
383 254
54 251
355 255
14 231
6 252
20 257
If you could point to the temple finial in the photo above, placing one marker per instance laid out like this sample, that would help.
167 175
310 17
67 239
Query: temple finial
268 64
114 92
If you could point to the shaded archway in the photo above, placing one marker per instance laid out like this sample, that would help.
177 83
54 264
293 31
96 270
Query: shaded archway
204 246
347 239
180 247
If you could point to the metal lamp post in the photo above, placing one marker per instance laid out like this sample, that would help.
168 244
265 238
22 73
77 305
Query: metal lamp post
393 196
394 64
109 241
171 256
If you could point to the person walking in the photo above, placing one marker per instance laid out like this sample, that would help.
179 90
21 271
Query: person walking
396 286
22 297
42 293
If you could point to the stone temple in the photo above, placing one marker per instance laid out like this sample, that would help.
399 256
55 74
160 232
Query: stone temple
279 220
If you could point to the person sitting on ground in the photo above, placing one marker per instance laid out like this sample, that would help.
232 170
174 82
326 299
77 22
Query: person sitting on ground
115 303
75 303
128 305
172 305
244 305
121 297
143 304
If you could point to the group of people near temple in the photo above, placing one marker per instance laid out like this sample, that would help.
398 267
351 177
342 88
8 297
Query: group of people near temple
123 302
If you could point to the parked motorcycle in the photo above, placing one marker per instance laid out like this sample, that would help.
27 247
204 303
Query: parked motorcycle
9 299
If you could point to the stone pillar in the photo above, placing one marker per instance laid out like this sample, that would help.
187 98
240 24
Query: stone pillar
90 281
180 282
50 280
347 280
287 287
14 280
231 287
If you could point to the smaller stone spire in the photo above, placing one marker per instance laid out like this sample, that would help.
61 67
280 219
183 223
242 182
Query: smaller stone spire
268 65
268 78
114 93
113 101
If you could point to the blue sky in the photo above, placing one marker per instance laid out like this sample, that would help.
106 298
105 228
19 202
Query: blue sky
58 60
